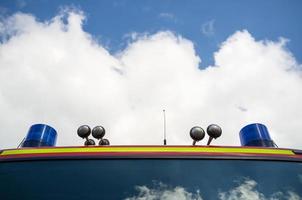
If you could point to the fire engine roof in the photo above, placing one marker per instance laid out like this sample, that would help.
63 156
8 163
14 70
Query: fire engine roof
150 152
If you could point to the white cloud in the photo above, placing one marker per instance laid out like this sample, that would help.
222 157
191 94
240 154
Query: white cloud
207 28
244 191
54 72
247 190
164 193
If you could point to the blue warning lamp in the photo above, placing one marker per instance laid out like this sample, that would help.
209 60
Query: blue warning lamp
40 135
256 135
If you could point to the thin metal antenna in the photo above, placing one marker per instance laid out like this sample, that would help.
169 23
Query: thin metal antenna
21 143
165 139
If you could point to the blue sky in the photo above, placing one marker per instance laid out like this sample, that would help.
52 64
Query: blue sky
207 23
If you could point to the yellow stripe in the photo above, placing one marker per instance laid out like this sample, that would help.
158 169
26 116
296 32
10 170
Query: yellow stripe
146 149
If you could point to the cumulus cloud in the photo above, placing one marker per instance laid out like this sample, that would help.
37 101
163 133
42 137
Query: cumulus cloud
244 191
247 190
56 73
163 192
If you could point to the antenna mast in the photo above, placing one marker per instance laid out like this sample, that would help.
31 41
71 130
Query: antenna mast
165 138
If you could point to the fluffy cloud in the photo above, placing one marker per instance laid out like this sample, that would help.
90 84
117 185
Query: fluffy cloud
247 190
164 193
56 73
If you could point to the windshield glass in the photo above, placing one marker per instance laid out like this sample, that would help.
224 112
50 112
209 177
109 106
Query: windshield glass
150 179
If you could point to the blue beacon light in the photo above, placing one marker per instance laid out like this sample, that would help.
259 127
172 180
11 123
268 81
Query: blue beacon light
256 135
40 135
